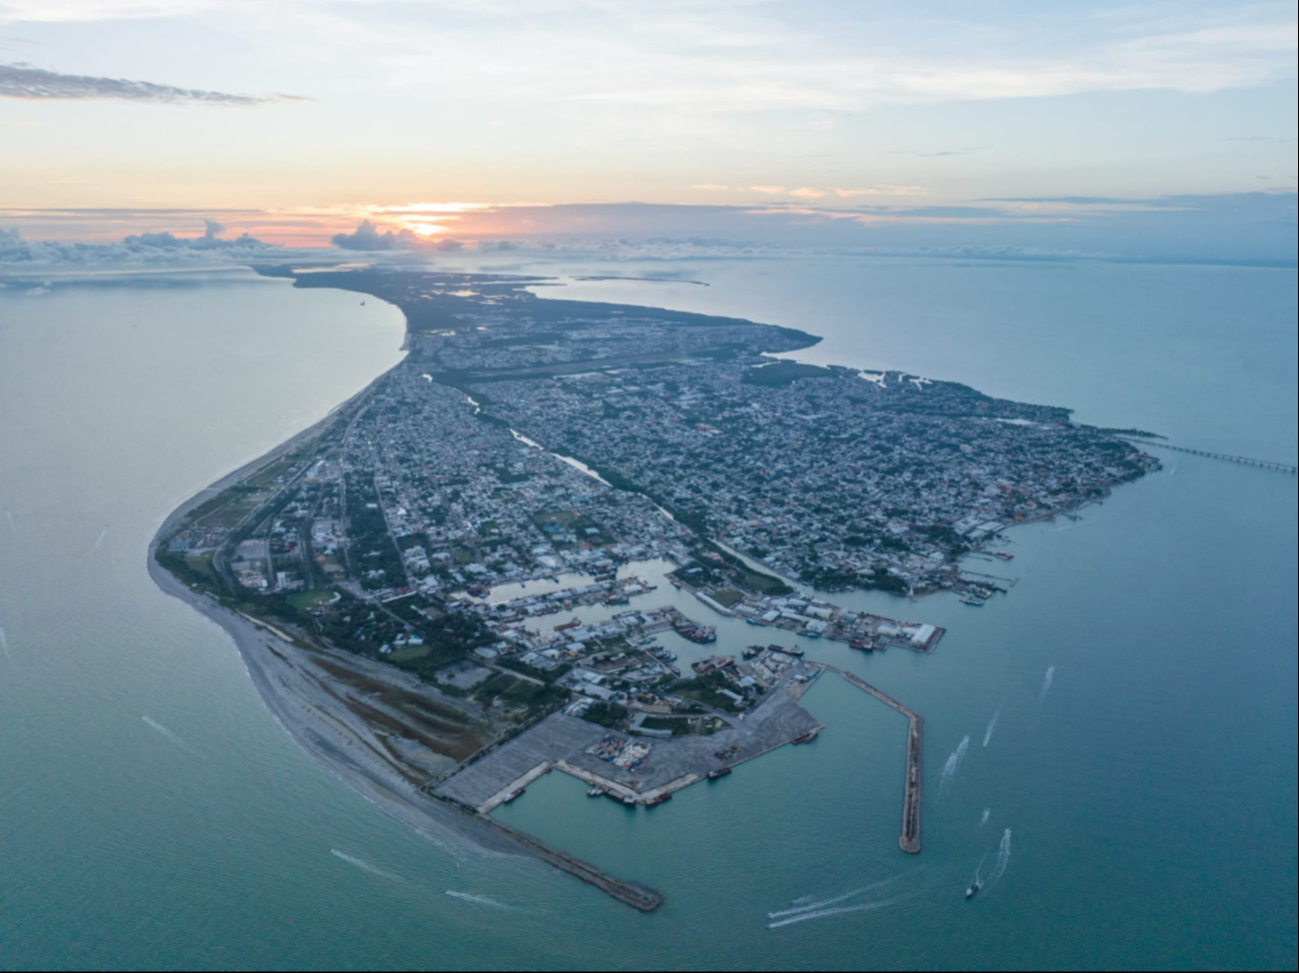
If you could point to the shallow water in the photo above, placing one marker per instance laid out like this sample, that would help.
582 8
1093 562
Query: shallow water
153 813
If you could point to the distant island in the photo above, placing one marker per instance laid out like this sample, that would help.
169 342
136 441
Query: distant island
375 570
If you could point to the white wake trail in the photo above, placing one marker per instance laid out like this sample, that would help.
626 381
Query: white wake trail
804 903
1003 860
365 866
949 768
822 913
1046 683
992 725
155 725
987 811
480 900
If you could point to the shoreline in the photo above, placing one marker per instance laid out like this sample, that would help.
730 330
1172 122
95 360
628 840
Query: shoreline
312 705
317 719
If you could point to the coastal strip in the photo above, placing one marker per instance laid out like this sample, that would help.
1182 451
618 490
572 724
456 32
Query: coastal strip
301 698
909 840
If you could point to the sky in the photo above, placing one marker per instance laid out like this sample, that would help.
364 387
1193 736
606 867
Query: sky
854 123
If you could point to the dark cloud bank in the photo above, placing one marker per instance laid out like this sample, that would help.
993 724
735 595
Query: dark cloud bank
24 81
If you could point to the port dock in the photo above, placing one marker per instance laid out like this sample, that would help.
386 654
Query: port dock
909 839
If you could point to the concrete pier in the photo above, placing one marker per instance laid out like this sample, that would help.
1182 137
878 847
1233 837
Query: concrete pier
909 840
628 893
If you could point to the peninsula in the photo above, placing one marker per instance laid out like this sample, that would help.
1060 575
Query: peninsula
488 564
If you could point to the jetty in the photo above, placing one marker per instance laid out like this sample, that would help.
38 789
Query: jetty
1266 464
628 893
909 840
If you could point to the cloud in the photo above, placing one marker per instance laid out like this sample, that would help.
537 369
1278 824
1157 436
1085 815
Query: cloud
367 237
140 248
24 81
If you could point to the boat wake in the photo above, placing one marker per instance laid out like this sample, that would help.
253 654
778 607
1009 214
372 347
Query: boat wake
805 908
365 866
480 900
992 725
822 913
987 811
4 645
1046 683
1003 860
949 768
155 725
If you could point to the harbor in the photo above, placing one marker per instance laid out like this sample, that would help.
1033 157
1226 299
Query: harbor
637 770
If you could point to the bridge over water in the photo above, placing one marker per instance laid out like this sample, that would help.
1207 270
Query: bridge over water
1230 458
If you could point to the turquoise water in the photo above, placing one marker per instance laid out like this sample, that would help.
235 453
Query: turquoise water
1151 792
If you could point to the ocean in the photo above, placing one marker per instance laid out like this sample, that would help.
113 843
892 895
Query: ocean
1111 747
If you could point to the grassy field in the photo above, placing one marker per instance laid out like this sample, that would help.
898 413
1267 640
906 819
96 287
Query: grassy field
304 600
408 653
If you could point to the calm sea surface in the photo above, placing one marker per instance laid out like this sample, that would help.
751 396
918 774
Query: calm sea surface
153 814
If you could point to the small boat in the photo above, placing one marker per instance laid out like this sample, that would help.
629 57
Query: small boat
974 887
513 795
629 800
595 792
719 773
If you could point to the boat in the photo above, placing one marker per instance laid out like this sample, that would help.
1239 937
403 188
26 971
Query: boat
659 800
973 601
719 773
806 737
629 800
796 653
974 887
513 795
595 791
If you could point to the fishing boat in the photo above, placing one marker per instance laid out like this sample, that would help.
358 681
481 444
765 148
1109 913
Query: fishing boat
974 887
719 773
595 792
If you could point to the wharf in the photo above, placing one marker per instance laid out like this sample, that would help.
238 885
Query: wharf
909 840
564 743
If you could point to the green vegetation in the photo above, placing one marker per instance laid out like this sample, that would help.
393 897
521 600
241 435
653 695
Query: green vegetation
605 714
409 653
705 690
727 597
305 600
783 373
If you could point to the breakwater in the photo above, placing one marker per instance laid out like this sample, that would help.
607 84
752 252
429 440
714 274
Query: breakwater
628 893
909 839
